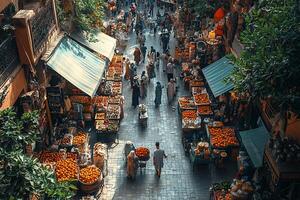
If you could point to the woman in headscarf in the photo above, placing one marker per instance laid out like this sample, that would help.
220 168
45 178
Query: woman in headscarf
143 85
135 92
171 90
158 92
137 55
132 165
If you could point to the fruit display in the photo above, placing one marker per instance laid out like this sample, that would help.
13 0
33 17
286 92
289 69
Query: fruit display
114 100
198 90
201 99
142 153
117 88
99 116
100 101
190 114
196 83
222 137
66 170
113 126
89 175
79 139
80 99
186 103
113 111
53 157
219 195
188 123
67 140
101 125
204 110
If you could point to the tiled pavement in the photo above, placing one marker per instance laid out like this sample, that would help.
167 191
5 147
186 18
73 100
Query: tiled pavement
178 181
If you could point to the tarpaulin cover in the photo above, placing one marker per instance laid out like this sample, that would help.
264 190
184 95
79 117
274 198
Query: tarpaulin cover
215 74
254 141
78 65
103 44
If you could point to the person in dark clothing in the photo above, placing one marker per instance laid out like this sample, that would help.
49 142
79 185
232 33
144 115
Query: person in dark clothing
144 50
135 92
158 93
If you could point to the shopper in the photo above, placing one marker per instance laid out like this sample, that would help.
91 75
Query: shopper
171 90
127 69
132 165
170 70
158 159
143 85
135 92
132 73
137 55
144 50
158 92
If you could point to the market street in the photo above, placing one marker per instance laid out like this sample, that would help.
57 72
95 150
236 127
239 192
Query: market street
178 181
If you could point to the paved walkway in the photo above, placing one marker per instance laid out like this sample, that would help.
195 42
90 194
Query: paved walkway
178 181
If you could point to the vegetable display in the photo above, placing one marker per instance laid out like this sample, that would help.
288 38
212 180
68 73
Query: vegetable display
186 103
89 175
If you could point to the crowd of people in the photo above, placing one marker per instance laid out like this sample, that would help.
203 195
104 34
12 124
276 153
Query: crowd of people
149 61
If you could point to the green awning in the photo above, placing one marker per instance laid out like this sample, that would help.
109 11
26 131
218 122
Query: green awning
104 44
78 65
215 74
254 141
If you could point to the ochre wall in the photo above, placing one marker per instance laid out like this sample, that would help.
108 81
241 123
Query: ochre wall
16 84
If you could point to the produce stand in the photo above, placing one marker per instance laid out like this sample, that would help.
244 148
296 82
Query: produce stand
185 103
190 121
200 154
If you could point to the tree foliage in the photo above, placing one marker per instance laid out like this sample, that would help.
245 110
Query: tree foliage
269 67
86 15
21 175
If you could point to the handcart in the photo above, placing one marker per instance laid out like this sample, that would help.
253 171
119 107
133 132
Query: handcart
143 115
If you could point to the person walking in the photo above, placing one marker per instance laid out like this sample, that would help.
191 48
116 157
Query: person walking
158 93
170 70
127 69
144 50
158 159
132 165
143 85
137 55
171 90
135 92
132 73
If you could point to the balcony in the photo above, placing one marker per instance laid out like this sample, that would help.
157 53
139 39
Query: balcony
9 58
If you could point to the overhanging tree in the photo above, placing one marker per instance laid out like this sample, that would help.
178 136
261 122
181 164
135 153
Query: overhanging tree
269 66
21 175
86 15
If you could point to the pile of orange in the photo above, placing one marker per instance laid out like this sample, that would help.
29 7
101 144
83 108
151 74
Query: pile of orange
205 110
89 175
79 139
66 170
189 114
142 152
53 157
223 137
201 99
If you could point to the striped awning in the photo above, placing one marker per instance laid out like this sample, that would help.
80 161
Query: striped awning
215 74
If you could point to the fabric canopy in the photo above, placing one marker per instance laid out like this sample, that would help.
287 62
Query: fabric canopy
215 74
254 141
104 44
78 65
